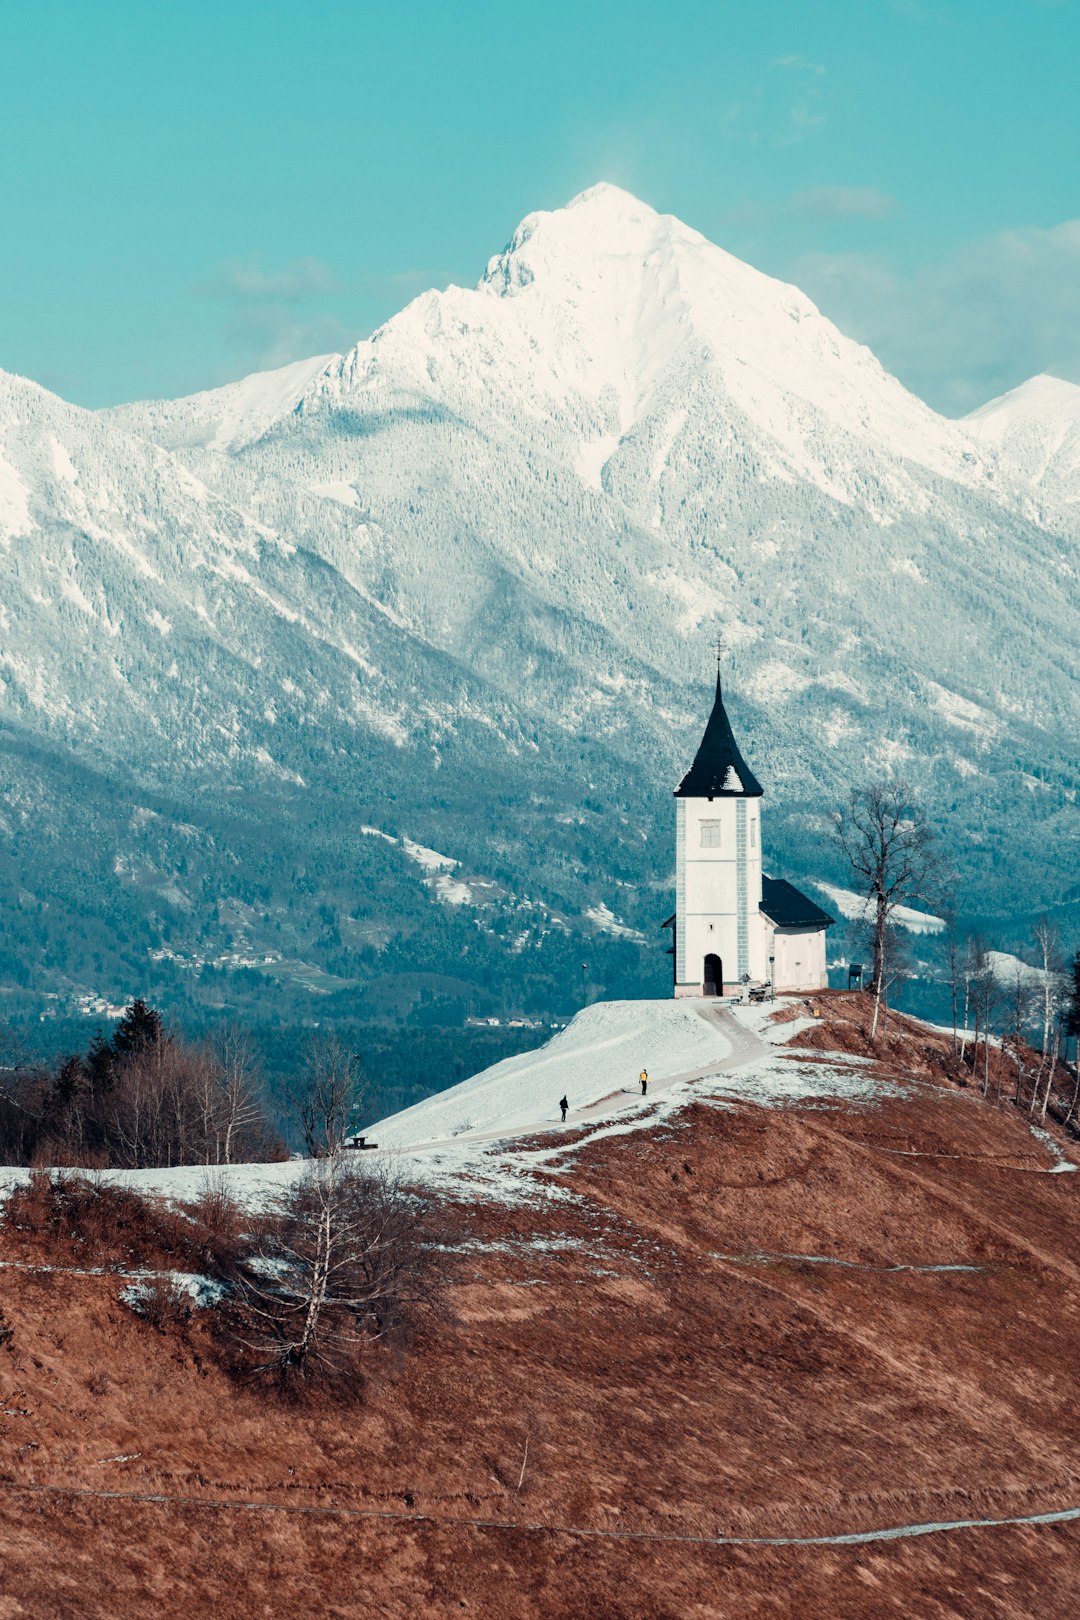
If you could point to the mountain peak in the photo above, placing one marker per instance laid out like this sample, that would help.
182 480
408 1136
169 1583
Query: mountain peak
1034 430
1043 392
610 198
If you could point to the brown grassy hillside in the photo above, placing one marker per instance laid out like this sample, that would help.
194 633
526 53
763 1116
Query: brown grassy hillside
628 1374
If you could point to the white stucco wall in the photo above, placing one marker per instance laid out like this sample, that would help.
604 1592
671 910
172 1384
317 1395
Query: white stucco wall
716 888
800 958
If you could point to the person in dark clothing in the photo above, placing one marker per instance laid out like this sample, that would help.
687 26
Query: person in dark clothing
564 1105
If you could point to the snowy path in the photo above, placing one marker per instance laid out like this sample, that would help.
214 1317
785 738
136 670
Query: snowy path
850 1538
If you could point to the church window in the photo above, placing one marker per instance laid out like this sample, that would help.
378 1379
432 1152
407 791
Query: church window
710 834
753 833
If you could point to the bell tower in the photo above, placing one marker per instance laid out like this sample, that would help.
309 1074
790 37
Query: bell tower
719 935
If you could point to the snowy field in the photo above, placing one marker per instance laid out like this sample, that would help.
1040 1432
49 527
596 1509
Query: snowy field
474 1137
602 1051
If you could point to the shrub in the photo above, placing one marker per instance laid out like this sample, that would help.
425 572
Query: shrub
347 1263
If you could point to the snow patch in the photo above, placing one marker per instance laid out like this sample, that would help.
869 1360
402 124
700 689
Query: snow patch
856 908
592 457
429 859
14 503
606 920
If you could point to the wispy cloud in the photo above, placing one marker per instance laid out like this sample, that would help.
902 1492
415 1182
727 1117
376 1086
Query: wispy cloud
843 202
780 106
800 64
805 113
274 316
296 281
820 202
996 311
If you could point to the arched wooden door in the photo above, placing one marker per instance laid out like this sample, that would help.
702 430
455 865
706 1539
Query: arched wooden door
714 976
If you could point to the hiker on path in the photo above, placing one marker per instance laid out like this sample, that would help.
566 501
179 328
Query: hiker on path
564 1105
644 1078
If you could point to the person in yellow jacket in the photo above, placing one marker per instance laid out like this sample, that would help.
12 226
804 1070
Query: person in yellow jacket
644 1078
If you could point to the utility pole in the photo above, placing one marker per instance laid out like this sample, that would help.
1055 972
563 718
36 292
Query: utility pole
584 995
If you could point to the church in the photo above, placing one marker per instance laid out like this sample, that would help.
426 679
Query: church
733 925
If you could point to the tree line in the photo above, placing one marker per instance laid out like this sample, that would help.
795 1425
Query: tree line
341 1259
143 1096
1011 1021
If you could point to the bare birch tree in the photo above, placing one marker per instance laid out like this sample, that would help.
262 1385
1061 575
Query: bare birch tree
986 993
1019 1002
1052 999
954 959
974 954
241 1110
347 1265
890 848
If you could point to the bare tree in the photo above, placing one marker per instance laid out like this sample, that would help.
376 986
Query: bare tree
974 954
1019 1005
954 958
241 1110
889 845
327 1096
986 990
1052 999
346 1265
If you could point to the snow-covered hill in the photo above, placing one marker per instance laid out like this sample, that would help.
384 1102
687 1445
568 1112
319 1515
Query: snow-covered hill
597 1058
461 584
1035 432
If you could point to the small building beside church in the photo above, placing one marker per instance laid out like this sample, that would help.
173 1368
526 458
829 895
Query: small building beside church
733 924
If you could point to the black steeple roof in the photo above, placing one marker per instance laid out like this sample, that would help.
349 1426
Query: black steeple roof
719 770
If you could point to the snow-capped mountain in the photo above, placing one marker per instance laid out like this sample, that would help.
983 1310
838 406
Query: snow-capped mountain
461 583
1034 430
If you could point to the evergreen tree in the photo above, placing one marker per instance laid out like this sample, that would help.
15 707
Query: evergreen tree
139 1028
68 1082
1072 1006
100 1062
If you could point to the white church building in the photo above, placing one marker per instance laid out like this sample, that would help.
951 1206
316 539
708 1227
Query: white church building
732 924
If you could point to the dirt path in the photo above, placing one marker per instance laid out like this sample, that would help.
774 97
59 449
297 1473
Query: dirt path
849 1538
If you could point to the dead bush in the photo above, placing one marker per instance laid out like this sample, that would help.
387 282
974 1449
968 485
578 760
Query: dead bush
75 1216
348 1262
221 1233
162 1302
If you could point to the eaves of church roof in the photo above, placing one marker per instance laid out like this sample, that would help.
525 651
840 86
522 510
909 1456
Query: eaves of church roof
719 770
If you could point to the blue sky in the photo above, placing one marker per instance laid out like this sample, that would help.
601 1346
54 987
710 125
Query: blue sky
191 191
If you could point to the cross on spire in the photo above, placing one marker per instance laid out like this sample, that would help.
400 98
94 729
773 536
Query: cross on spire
721 648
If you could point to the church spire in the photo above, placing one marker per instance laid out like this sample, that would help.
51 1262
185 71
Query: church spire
719 769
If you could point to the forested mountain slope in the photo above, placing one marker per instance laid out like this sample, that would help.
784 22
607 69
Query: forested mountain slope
460 585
